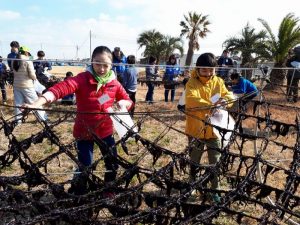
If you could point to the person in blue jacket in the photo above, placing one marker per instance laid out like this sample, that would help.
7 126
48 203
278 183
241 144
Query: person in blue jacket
130 81
14 50
3 75
119 61
243 87
170 77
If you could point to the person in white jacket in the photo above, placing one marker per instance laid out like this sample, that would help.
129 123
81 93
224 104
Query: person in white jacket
24 76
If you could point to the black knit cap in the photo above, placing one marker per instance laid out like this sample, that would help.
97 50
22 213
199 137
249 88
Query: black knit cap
206 60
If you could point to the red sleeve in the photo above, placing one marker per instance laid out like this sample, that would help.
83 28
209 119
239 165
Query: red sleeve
66 87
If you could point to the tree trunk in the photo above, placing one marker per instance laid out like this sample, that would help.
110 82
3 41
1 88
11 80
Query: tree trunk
277 75
189 55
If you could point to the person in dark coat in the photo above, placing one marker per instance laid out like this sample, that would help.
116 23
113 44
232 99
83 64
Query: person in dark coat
293 75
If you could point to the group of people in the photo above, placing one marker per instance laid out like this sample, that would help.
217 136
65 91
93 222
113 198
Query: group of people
98 88
23 76
172 71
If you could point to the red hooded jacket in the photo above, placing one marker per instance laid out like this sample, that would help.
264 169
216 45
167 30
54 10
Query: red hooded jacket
88 100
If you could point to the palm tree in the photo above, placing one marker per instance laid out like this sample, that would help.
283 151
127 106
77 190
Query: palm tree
152 40
194 27
250 45
159 45
287 38
170 45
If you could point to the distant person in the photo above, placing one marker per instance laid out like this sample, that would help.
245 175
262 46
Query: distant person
3 75
204 91
68 99
226 63
119 59
14 49
96 89
151 75
130 80
24 76
293 75
41 67
170 77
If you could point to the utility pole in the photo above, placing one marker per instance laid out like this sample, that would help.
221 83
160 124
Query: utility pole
77 49
90 45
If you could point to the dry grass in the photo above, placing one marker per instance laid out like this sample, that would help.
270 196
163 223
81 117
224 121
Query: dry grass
61 71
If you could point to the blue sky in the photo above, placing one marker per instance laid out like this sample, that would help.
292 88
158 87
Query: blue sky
61 27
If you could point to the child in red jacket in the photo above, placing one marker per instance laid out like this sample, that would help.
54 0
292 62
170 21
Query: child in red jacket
96 90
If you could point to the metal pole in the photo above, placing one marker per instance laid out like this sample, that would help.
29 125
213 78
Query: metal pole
90 45
289 87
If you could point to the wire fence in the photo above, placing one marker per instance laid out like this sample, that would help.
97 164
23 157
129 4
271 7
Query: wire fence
258 169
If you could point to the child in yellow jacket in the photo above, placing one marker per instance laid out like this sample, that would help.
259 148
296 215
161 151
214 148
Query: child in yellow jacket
204 90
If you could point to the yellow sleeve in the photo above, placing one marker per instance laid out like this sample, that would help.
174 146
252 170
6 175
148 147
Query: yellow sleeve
193 97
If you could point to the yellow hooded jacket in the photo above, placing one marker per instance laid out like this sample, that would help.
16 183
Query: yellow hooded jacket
198 95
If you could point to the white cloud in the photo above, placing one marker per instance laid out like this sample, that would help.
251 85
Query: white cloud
9 15
104 16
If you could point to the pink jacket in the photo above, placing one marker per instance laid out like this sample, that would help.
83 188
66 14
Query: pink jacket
84 86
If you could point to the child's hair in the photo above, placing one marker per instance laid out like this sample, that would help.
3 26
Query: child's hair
69 74
40 54
235 76
152 59
131 59
170 58
14 44
100 50
22 51
207 60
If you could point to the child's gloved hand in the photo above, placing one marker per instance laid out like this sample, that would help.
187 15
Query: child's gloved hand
221 103
124 104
